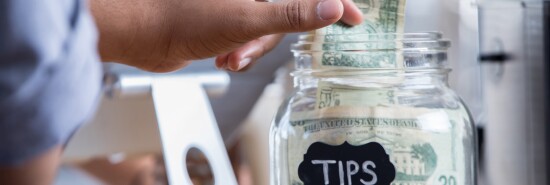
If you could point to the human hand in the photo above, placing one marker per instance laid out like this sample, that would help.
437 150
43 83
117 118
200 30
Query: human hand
165 35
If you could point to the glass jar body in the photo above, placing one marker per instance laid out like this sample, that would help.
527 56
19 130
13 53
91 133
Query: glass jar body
373 127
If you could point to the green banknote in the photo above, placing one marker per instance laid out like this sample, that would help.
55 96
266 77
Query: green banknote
333 96
424 145
357 60
380 16
368 45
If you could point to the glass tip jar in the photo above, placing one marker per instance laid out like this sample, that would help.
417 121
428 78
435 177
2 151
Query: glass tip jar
372 109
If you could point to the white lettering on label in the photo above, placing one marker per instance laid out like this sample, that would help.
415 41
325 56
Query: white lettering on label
350 171
325 167
366 169
341 172
352 168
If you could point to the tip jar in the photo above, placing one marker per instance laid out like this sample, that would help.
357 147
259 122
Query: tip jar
372 109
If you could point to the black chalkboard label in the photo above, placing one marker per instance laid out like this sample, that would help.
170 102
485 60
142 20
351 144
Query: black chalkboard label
346 165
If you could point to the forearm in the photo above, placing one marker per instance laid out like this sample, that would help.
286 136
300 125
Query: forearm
127 27
115 24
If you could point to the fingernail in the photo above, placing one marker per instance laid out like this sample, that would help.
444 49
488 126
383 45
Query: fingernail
224 66
243 63
329 9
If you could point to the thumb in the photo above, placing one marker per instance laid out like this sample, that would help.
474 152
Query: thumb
297 15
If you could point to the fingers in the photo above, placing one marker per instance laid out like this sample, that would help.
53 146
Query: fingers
300 15
246 55
221 61
282 17
293 15
352 14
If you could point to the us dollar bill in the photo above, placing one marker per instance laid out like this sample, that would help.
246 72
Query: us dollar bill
425 146
370 59
383 22
380 16
329 95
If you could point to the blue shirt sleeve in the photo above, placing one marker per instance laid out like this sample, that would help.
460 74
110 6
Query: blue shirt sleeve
50 76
